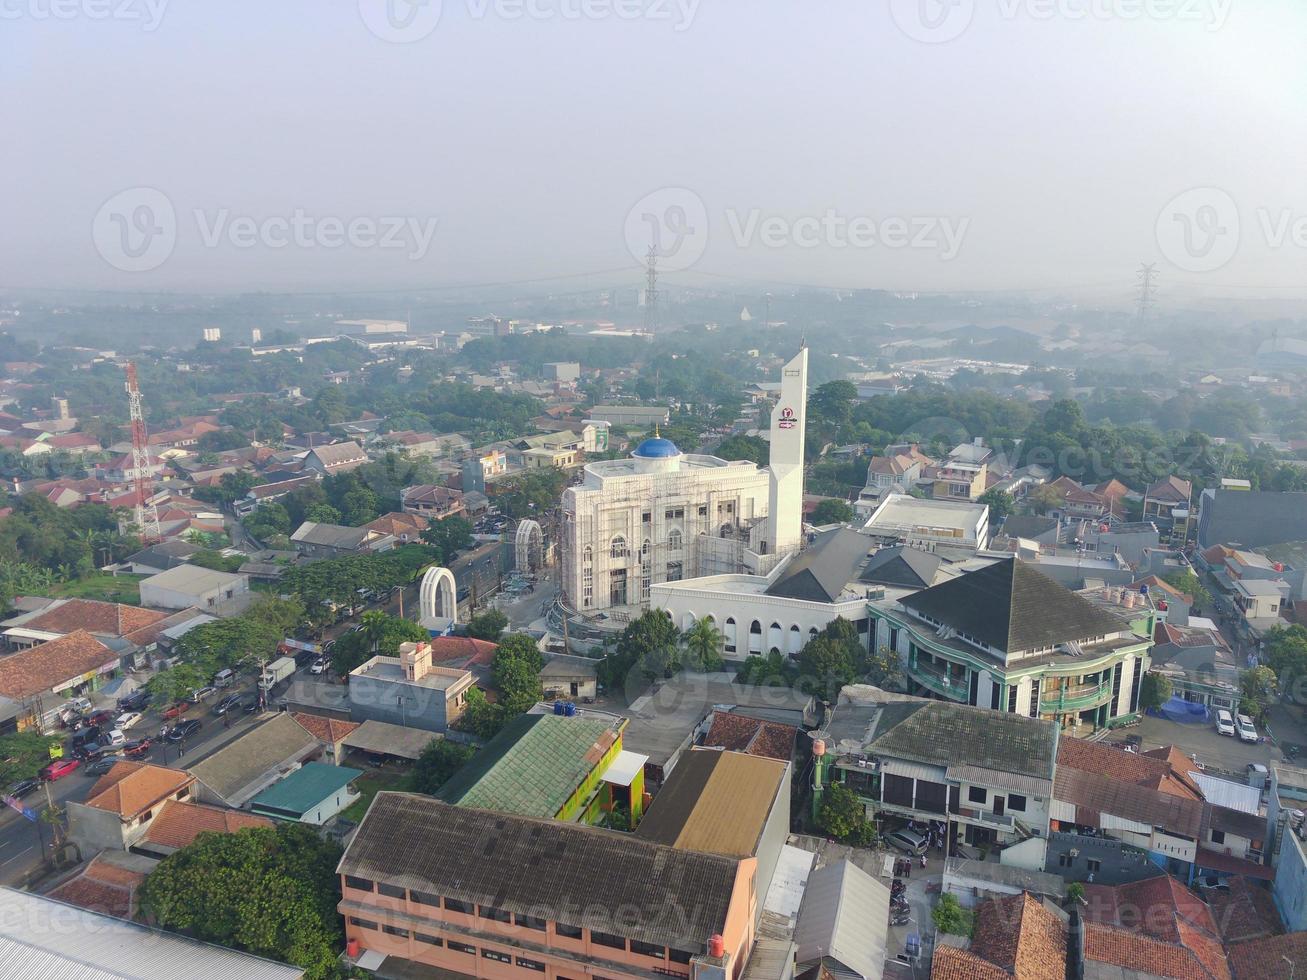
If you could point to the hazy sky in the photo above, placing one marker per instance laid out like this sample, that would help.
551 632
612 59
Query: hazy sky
991 144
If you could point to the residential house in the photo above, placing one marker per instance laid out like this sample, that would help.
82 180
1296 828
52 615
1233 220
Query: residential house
569 677
122 469
1010 638
237 772
160 557
314 794
897 472
330 733
106 621
123 803
987 774
195 587
957 479
35 682
1165 497
74 443
404 528
426 444
335 459
416 885
409 690
842 928
265 493
431 501
1199 664
315 540
752 736
179 822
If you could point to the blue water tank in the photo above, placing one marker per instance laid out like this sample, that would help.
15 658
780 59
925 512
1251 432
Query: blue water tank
559 707
569 709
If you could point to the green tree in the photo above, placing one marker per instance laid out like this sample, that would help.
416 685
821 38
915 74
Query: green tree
825 665
770 670
949 916
1044 498
831 511
177 682
648 647
530 494
515 671
487 625
439 761
480 716
751 448
998 501
1256 692
1154 691
271 891
380 636
1285 651
22 755
1191 585
884 669
323 513
448 537
703 645
841 814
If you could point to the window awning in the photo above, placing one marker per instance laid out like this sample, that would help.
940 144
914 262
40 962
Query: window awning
625 768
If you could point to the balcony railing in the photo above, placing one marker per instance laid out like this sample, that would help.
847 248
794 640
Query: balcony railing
1074 696
1001 821
939 681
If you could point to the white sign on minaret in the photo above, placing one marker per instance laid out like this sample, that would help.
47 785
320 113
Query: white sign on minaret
785 501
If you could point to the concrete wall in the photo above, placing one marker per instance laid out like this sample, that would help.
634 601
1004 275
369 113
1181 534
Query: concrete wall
374 699
1118 863
1290 887
153 595
774 833
93 829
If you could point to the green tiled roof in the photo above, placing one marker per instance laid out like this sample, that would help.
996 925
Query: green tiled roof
532 766
305 788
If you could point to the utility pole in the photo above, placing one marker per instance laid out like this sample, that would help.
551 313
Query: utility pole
1146 279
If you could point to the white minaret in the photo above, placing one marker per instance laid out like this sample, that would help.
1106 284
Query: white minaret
785 501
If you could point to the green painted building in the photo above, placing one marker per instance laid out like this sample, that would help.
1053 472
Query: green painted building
1010 638
553 766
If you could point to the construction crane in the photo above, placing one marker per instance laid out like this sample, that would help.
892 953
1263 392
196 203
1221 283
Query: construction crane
147 517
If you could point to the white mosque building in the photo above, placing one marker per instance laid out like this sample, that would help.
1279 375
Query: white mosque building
667 516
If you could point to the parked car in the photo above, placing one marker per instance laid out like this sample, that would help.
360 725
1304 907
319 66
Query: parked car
101 717
90 750
60 768
177 710
249 705
319 666
101 765
1224 722
908 842
84 736
201 694
115 739
183 730
136 701
224 678
226 704
126 720
24 787
1247 730
138 748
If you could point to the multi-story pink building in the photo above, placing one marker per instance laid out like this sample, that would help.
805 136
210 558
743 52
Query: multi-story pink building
514 898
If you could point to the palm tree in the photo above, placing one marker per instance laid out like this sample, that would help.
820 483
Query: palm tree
703 644
374 627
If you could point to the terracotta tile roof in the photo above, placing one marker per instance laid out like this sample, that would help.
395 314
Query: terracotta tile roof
1023 937
130 788
1263 959
952 963
1134 951
102 887
1160 908
1247 911
106 618
464 649
399 524
740 733
178 823
41 667
328 730
1141 769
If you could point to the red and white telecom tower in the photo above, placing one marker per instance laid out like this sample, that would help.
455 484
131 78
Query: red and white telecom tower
147 516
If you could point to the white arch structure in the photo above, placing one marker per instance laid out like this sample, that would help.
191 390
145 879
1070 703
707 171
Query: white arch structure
438 598
529 547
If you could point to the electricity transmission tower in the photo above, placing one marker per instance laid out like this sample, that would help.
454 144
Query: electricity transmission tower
1145 290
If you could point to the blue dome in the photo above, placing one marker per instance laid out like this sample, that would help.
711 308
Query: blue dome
656 448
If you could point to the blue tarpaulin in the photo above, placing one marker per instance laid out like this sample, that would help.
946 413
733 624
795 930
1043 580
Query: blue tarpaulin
1185 712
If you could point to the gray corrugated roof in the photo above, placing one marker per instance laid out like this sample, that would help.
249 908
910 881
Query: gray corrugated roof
1011 606
901 565
191 578
844 915
329 535
41 938
820 573
240 763
615 882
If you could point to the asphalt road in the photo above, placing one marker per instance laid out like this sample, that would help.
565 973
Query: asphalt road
19 847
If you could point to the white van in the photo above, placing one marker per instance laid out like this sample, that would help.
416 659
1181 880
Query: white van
224 678
1224 722
1247 730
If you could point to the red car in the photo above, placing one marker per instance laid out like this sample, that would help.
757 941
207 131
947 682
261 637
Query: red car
60 768
137 748
178 709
